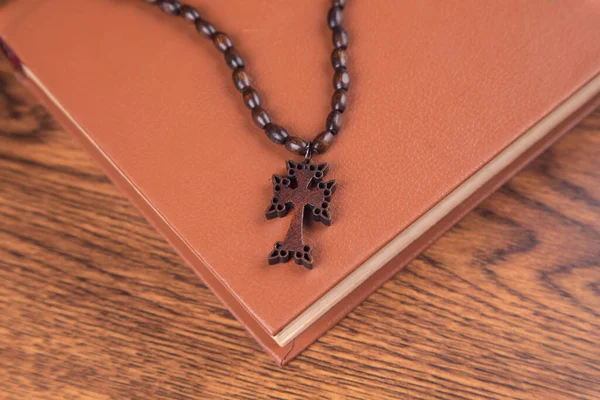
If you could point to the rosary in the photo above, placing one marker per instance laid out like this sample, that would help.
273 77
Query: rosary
303 188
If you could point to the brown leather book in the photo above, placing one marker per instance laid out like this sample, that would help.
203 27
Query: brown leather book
449 99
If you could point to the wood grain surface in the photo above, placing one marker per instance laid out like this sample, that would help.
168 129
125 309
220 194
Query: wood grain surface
94 304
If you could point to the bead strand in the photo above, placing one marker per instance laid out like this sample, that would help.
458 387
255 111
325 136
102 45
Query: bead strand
341 78
241 80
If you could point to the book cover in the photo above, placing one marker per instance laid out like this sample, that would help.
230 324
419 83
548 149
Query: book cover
448 100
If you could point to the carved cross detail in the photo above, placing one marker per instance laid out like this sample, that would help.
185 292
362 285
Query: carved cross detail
302 189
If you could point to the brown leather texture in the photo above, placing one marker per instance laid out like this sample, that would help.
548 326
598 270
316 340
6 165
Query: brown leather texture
429 80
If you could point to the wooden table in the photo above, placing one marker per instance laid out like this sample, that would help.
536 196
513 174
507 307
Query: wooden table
95 304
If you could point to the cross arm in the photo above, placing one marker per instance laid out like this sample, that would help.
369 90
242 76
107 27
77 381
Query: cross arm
320 202
281 203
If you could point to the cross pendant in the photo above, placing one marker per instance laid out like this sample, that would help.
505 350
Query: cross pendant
301 190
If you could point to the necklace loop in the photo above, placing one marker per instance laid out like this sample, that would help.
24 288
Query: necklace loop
308 154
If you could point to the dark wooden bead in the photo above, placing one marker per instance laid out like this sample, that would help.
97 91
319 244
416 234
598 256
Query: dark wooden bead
261 117
339 59
335 17
276 133
171 7
241 80
222 41
334 121
340 38
341 79
251 98
205 28
339 100
339 3
233 58
296 145
189 13
322 142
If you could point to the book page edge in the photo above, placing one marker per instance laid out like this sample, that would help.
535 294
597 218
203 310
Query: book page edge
436 213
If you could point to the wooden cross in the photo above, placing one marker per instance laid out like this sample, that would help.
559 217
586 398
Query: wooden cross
301 189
